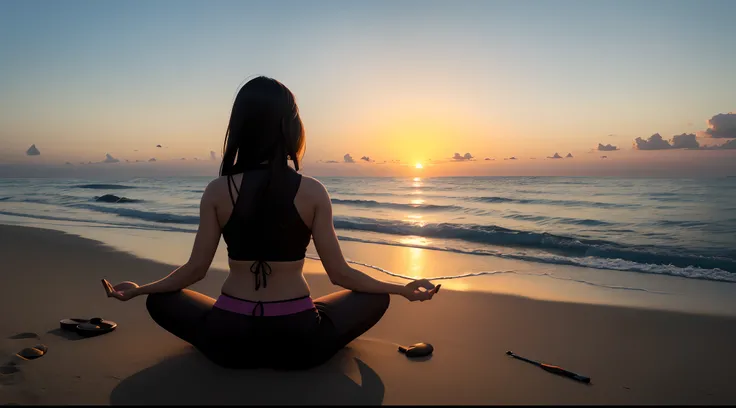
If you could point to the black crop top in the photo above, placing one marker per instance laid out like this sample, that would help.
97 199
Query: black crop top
249 234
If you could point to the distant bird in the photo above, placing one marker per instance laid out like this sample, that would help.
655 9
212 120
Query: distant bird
158 145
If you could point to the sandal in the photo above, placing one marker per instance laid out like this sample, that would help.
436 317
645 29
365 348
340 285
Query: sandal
88 328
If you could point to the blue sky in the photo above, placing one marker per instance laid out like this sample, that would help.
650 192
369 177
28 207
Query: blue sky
414 80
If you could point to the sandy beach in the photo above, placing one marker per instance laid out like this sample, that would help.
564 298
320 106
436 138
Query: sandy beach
634 356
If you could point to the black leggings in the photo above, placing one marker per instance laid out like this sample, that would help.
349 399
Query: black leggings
297 341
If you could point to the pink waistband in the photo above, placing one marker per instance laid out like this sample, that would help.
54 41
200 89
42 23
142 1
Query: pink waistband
278 308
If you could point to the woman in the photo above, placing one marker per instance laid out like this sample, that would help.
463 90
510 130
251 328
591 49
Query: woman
266 213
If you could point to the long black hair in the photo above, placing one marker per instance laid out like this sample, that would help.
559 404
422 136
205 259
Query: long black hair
264 127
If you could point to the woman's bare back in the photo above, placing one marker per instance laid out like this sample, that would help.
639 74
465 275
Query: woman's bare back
286 280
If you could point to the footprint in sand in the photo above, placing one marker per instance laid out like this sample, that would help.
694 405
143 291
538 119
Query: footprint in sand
9 369
27 335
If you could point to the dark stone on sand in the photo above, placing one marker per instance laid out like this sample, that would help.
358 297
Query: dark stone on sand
32 353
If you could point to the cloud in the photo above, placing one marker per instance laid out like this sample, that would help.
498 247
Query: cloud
213 155
68 164
366 158
332 161
488 158
606 148
32 151
465 157
731 144
569 156
556 156
348 158
110 159
512 158
153 159
604 157
684 141
183 158
127 161
722 126
656 142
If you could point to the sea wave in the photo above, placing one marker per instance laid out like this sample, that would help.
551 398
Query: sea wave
689 272
104 186
546 201
566 246
397 206
99 224
542 219
160 217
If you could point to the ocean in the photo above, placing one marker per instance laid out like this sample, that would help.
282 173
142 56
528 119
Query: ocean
678 227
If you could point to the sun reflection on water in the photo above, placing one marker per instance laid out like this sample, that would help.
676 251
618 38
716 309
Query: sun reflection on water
415 240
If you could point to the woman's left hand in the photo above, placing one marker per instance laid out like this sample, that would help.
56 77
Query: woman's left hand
125 291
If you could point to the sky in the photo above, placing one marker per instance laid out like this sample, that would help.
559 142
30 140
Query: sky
395 82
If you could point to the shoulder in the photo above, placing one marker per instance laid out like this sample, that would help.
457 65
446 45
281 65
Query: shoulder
314 189
215 189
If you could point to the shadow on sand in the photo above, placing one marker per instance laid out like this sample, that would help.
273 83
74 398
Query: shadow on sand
191 379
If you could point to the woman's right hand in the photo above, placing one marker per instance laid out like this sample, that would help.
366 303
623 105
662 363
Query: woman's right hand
412 292
124 291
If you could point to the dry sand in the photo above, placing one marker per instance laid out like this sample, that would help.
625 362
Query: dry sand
634 356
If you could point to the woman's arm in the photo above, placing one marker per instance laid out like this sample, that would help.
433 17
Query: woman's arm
338 270
203 251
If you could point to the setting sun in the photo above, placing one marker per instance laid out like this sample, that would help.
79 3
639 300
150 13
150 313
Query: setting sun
419 165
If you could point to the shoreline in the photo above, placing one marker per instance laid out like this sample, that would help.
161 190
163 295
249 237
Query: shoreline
634 356
561 283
